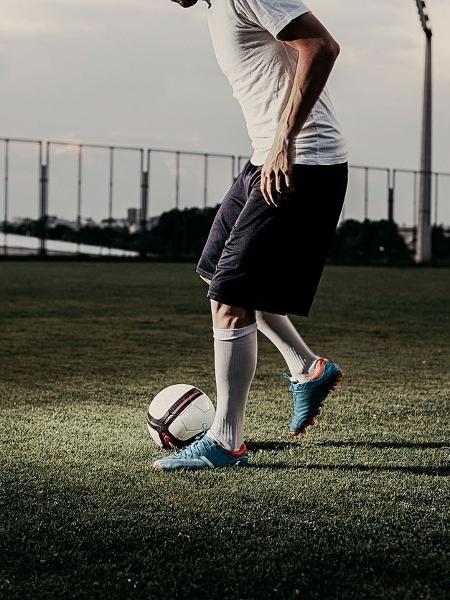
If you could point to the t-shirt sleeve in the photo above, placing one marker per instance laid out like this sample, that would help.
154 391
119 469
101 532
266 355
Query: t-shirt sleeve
273 15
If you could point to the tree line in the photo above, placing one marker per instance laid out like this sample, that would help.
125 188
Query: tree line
182 234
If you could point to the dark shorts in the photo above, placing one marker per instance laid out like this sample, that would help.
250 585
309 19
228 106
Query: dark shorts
270 258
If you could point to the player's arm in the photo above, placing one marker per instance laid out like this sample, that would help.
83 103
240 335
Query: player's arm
317 53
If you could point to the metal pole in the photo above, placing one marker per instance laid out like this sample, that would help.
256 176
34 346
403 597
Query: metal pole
391 205
111 184
423 252
5 220
366 193
177 180
391 194
149 165
205 181
415 214
436 197
43 210
111 192
45 170
415 200
144 207
79 192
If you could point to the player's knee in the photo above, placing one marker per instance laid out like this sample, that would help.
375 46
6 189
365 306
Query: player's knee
226 316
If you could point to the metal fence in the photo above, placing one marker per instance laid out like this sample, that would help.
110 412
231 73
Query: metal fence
79 183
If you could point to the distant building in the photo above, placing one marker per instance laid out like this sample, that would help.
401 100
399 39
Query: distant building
151 222
134 216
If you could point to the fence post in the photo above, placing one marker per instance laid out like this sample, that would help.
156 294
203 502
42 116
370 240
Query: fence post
366 193
144 211
391 205
436 198
79 196
6 183
205 180
43 210
177 179
414 221
391 193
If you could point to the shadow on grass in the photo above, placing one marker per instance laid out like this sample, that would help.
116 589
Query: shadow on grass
360 444
441 470
273 445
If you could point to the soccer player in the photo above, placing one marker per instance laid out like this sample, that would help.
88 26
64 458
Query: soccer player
267 247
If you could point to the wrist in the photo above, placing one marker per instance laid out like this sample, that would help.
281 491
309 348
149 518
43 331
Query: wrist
283 133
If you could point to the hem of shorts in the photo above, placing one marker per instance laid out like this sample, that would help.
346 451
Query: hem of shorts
204 273
277 310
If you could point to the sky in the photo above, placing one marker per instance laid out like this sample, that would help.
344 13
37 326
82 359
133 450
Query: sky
142 72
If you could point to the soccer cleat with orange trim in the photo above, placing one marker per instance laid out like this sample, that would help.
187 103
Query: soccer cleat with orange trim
309 395
203 453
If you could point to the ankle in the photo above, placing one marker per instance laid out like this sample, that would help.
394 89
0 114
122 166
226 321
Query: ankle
310 365
316 369
232 447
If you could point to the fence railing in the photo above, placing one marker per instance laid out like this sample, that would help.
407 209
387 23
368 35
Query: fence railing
78 180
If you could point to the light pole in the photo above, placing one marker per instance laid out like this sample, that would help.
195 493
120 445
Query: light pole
423 247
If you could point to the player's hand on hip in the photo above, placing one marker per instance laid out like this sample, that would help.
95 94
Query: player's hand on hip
276 172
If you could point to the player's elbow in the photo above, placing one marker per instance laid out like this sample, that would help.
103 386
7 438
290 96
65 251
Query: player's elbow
329 49
321 49
336 49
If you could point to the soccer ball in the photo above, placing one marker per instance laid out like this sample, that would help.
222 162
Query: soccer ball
177 414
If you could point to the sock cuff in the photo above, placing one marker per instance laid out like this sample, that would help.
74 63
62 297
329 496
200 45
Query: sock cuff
233 334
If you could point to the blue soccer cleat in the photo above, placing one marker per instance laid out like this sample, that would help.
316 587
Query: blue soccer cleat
203 453
309 395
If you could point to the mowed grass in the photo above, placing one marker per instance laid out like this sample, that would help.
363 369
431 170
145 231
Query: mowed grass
357 509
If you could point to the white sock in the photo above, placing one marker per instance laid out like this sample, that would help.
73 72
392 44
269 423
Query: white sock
235 354
282 333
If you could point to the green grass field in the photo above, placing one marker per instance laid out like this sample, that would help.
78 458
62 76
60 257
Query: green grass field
358 509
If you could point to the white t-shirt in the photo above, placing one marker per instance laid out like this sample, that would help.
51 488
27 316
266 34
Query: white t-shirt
261 71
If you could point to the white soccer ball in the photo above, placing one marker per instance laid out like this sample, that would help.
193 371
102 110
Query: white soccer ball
177 414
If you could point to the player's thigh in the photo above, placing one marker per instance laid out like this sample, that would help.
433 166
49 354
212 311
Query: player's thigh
223 223
313 209
251 237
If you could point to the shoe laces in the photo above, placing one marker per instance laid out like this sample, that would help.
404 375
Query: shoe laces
201 444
